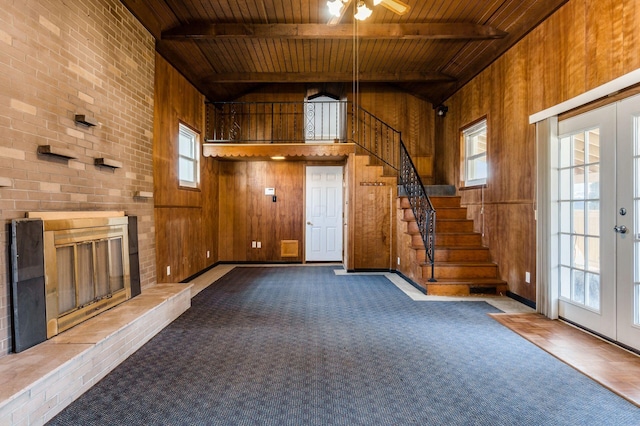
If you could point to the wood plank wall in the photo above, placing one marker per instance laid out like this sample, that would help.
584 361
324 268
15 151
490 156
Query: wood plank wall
231 210
186 219
582 46
247 214
411 116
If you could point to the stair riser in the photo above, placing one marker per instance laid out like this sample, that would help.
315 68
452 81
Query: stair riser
451 213
439 202
412 228
416 241
462 272
451 240
460 255
448 226
436 289
454 226
407 215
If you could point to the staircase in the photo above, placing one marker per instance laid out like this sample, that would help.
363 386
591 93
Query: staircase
463 265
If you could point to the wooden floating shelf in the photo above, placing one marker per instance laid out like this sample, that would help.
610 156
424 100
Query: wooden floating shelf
143 194
5 182
85 120
56 152
107 162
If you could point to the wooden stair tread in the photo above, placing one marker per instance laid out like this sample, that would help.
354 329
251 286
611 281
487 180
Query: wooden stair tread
461 248
463 264
471 281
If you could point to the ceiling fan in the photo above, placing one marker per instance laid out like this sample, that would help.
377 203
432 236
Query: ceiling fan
337 8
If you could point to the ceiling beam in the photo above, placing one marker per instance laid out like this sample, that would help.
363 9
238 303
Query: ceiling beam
314 77
450 31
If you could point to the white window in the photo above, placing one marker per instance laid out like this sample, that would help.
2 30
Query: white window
188 157
475 154
324 117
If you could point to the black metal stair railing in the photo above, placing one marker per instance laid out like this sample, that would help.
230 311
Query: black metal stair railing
335 121
421 205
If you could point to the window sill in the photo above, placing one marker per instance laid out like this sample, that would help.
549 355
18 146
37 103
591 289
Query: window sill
472 187
189 188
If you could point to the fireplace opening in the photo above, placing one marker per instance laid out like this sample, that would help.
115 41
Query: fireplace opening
87 262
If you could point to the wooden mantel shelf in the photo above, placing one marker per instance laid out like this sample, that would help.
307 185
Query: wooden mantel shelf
317 151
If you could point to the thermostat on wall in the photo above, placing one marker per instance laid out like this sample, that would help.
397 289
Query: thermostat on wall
269 191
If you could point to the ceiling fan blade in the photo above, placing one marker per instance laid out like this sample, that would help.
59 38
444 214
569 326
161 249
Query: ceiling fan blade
335 20
396 6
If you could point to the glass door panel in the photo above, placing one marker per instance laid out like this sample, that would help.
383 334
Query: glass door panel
628 222
585 257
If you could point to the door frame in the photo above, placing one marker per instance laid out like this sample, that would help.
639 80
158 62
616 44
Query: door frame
547 288
342 211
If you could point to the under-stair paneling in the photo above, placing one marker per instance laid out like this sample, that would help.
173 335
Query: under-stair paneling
410 259
583 45
247 214
374 203
186 219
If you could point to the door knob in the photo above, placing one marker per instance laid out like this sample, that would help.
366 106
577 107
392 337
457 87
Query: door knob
309 223
620 229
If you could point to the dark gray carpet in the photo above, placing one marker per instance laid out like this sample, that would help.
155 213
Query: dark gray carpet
301 346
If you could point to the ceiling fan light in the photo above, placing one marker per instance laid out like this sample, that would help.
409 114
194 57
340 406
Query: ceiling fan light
376 2
363 12
335 7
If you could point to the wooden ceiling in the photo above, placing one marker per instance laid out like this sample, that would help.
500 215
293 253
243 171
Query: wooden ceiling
227 48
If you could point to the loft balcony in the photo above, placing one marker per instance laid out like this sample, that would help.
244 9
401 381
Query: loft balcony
312 130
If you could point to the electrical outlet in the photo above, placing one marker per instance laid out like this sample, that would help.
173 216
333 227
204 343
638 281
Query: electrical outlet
208 254
259 244
168 270
398 260
253 244
527 277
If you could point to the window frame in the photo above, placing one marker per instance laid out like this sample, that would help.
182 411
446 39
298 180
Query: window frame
465 133
194 136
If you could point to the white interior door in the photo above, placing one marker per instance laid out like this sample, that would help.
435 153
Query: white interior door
586 216
323 239
627 220
598 212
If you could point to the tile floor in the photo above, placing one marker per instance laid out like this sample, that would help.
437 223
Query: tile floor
612 366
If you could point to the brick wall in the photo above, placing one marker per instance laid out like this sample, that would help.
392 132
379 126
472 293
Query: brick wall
58 59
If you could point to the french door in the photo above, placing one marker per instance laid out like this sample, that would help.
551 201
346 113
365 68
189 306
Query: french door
598 211
628 222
